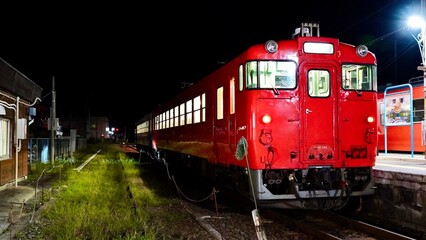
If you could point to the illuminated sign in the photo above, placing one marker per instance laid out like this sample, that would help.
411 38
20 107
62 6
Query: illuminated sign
315 47
398 109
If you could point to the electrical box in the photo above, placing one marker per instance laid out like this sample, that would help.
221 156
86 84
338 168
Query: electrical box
32 111
22 128
55 124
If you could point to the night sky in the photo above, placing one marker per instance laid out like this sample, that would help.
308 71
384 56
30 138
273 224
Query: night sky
120 59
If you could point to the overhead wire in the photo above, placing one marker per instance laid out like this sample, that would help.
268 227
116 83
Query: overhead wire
365 18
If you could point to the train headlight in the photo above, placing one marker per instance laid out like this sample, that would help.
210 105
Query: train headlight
266 119
361 50
271 46
370 119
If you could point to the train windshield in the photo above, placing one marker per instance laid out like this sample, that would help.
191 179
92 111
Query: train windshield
271 74
359 77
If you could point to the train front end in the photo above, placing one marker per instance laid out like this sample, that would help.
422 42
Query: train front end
312 135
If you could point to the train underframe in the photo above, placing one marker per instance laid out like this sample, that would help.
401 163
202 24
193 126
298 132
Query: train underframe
314 188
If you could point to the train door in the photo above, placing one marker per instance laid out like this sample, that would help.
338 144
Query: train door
221 126
319 127
232 135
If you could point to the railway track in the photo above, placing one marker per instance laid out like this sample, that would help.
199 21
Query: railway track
327 225
283 224
234 213
229 216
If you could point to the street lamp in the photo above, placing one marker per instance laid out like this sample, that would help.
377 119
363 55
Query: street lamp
418 22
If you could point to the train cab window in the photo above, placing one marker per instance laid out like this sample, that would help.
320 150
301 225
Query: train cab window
271 74
251 74
319 83
359 77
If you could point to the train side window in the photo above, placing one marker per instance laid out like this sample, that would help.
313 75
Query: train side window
176 116
172 116
189 112
182 114
167 119
418 110
197 109
232 96
203 107
162 122
200 108
219 103
240 78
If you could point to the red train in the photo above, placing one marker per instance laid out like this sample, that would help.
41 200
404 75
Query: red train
290 123
402 137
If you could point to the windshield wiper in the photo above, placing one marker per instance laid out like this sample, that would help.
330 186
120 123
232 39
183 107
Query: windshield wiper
358 92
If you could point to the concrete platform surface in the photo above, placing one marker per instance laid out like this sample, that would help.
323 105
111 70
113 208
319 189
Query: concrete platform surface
404 163
13 202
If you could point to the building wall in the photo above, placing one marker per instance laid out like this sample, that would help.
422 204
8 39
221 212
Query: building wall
8 166
399 201
16 92
96 128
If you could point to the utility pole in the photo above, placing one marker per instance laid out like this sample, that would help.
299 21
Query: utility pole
423 67
53 124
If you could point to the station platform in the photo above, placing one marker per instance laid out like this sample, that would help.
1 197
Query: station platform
400 162
400 191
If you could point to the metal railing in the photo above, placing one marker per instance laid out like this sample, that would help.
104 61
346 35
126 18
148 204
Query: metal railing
38 148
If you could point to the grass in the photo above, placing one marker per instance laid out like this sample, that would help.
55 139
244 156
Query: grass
105 200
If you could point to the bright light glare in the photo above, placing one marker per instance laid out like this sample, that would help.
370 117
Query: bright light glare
416 22
266 119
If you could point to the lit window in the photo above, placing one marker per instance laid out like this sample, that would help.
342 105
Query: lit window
319 83
232 96
176 116
182 114
4 139
359 77
219 97
197 109
203 107
189 112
